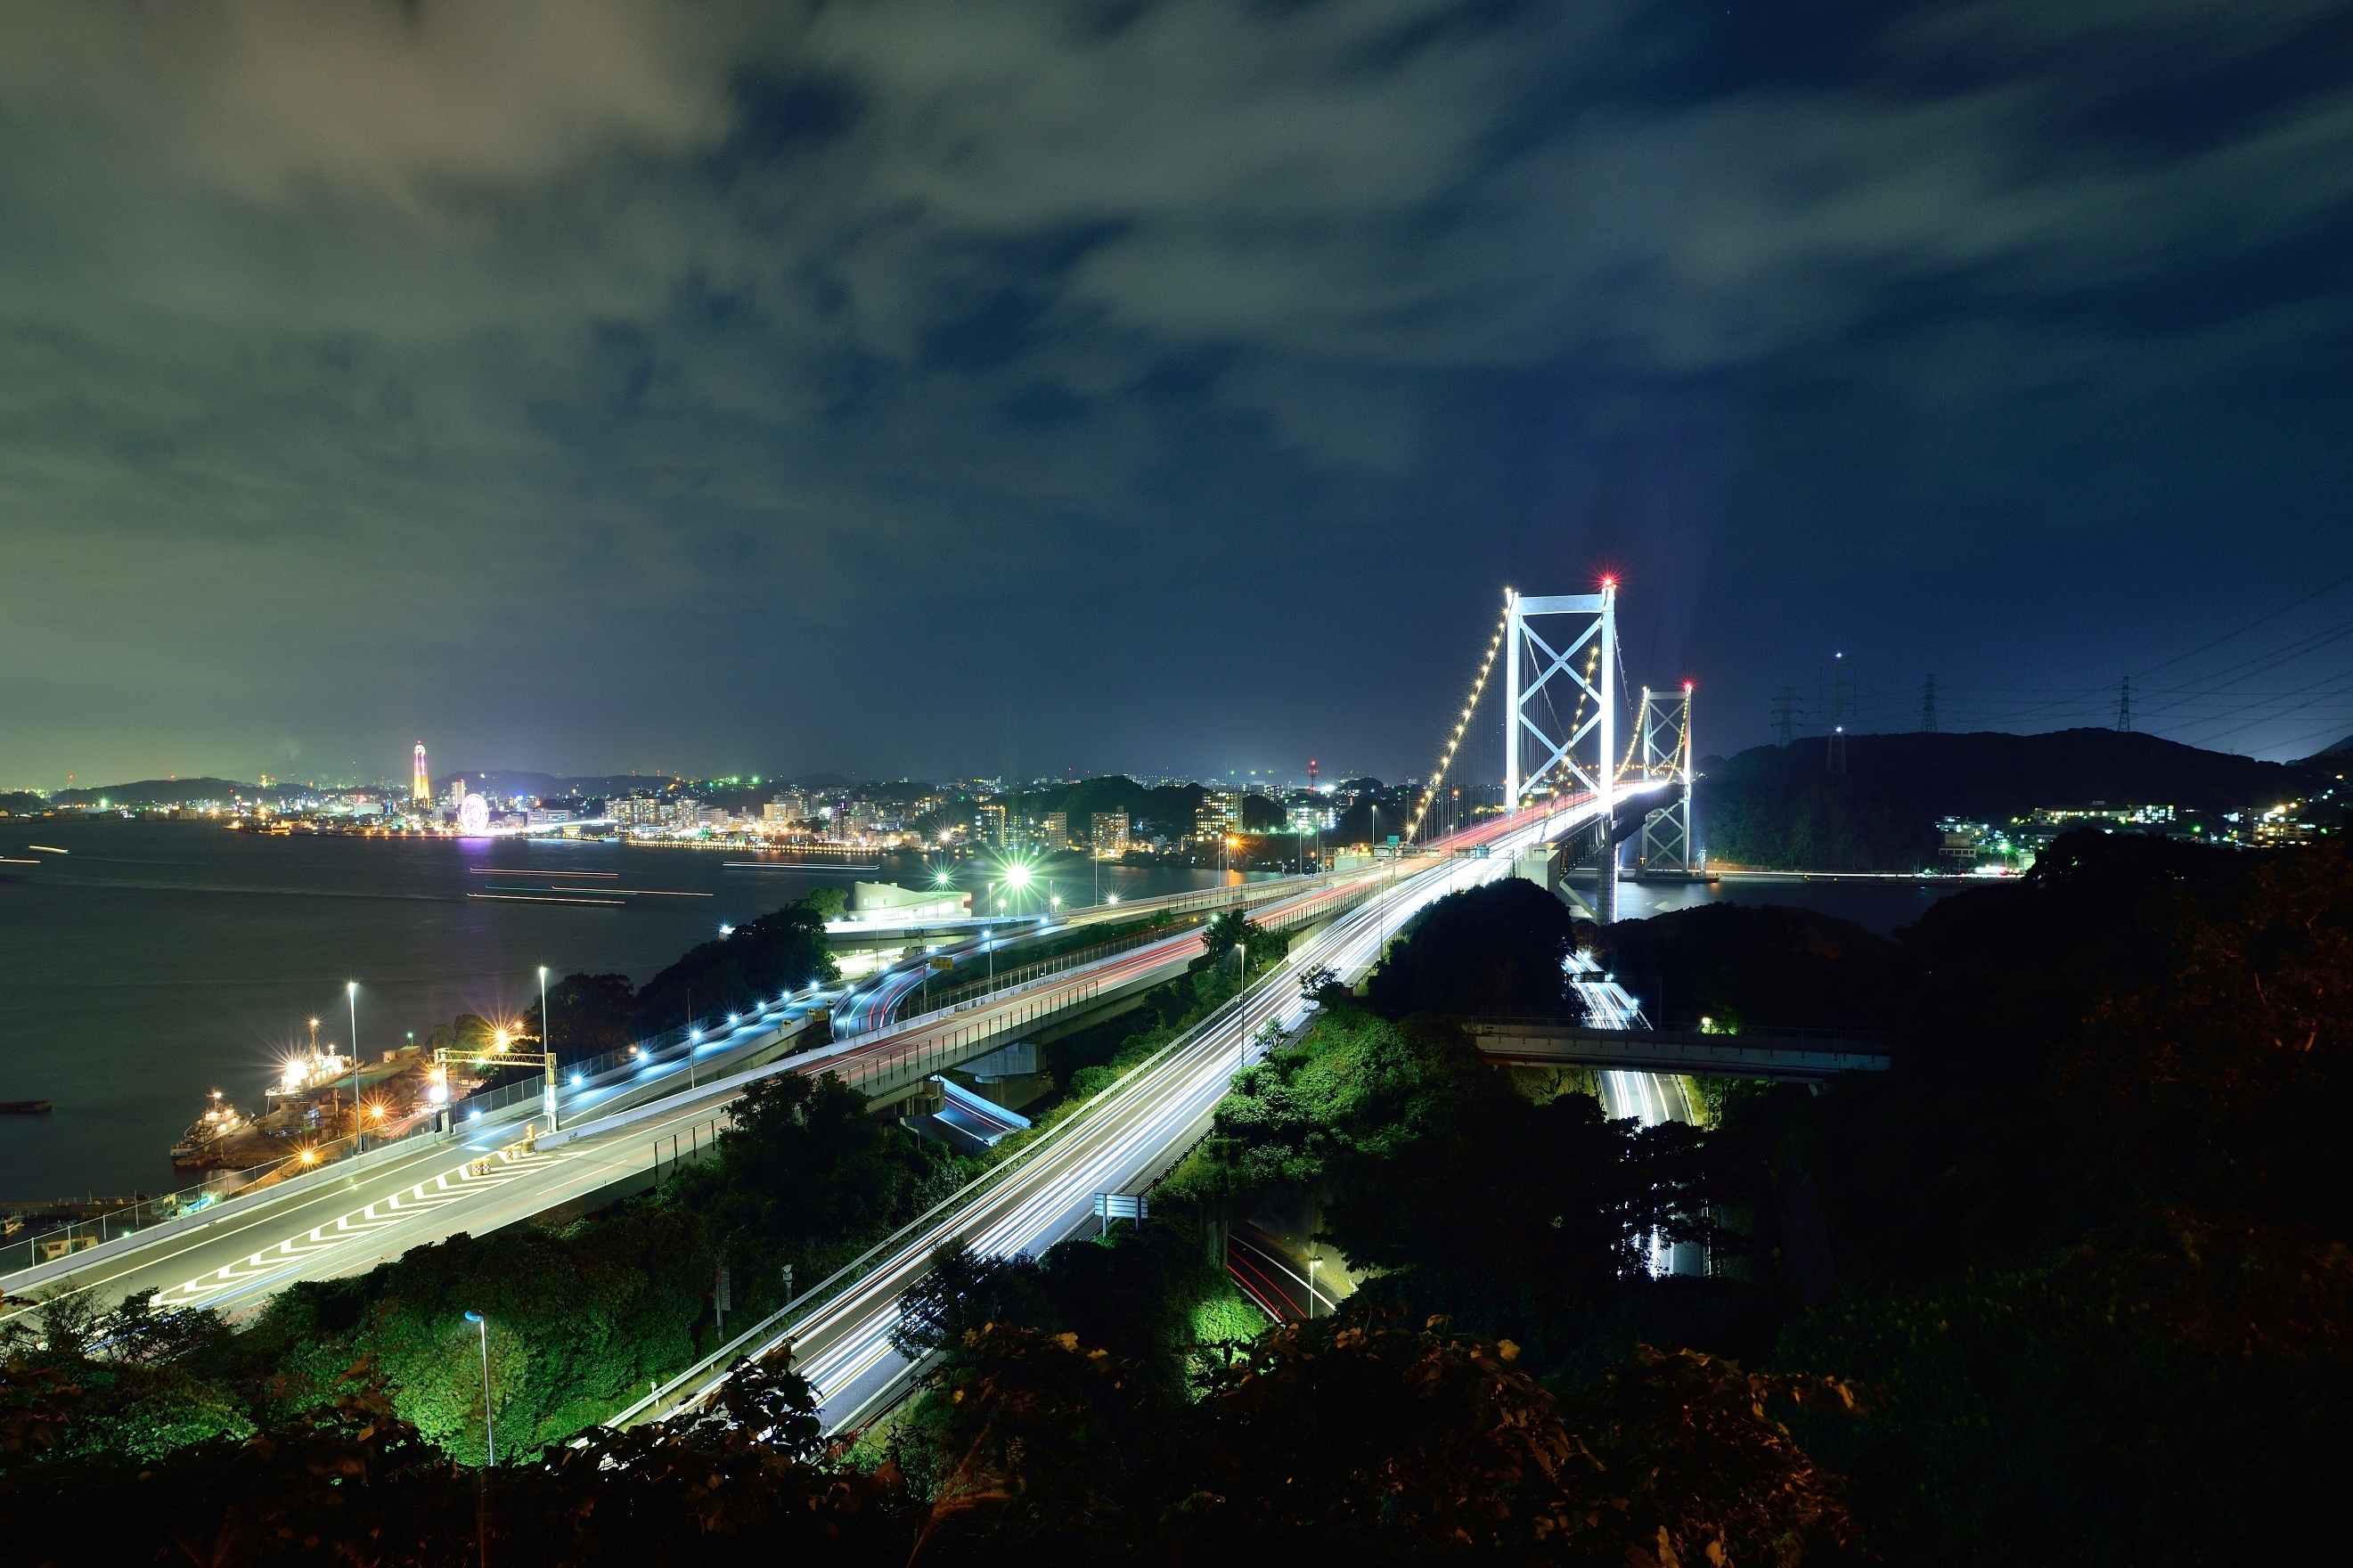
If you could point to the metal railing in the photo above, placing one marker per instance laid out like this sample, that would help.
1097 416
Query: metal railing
222 1186
650 1406
141 1213
1862 1041
1013 979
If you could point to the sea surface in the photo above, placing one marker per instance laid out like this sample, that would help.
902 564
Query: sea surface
157 960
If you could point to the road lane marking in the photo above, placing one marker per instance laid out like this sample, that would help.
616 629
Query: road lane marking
469 1180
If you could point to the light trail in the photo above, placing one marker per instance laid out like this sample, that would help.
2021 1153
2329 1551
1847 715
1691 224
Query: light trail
1045 1192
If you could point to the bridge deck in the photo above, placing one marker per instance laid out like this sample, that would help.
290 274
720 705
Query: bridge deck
1799 1056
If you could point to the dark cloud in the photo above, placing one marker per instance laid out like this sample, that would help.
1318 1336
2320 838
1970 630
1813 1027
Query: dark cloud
600 384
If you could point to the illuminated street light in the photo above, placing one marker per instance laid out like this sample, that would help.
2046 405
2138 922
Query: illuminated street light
352 994
490 1436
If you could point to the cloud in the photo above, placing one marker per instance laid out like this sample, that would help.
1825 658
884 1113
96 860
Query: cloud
664 303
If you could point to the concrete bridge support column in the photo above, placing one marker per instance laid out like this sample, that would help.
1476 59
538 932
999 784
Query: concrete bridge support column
1605 881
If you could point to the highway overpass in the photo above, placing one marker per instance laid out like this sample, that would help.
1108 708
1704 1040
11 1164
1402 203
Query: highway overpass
1788 1055
352 1218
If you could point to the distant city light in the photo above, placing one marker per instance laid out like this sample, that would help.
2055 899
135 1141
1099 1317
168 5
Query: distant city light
726 930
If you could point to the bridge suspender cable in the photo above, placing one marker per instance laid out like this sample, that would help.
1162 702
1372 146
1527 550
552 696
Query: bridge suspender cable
1461 724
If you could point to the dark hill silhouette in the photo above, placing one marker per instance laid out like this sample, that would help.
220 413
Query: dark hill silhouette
1771 807
164 792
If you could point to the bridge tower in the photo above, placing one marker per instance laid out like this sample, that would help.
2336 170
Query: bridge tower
1531 661
1662 733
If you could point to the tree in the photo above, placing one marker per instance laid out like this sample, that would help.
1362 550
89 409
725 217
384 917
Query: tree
1384 1440
805 1176
782 950
1499 947
592 1015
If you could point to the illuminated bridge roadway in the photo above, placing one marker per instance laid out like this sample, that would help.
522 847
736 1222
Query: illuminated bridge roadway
341 1223
348 1217
1126 1138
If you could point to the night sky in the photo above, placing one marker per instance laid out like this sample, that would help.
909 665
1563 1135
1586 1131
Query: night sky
948 388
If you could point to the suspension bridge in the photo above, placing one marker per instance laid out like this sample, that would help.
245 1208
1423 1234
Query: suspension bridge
1566 782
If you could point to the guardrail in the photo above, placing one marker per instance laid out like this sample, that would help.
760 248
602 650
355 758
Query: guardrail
652 1405
58 1243
1801 1056
1013 979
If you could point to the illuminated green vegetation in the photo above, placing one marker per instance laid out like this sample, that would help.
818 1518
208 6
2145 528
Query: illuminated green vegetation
2067 1286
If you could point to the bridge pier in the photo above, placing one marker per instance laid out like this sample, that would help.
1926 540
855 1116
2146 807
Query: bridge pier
1605 880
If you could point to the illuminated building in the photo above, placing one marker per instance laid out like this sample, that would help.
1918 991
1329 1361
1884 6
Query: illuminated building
989 820
1057 830
420 781
1218 814
1107 832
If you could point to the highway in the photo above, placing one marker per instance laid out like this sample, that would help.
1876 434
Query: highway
343 1224
1129 1136
348 1218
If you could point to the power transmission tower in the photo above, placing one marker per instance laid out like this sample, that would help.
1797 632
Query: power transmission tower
1835 755
1785 713
2124 705
1929 706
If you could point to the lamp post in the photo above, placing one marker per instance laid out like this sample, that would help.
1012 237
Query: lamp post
490 1448
489 1433
352 994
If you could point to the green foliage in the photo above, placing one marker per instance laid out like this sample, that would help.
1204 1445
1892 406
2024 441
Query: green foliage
1355 1084
350 1482
805 1176
1226 1316
1134 1291
1752 965
2141 1398
592 1014
783 949
1494 948
1089 1082
145 1384
1223 934
579 1321
1374 1439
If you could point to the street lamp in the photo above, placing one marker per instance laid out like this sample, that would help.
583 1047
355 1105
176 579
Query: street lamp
490 1435
352 994
1313 1265
489 1450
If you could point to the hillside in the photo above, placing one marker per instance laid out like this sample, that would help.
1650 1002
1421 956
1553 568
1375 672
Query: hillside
160 791
1771 807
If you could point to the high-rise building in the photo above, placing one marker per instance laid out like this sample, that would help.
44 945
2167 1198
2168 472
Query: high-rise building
420 781
1219 813
1107 832
989 824
1057 830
